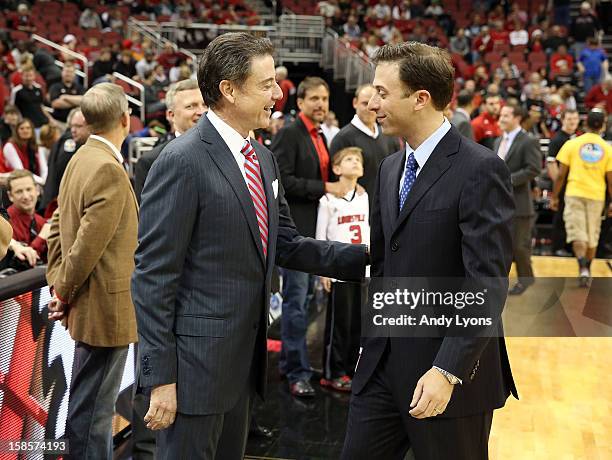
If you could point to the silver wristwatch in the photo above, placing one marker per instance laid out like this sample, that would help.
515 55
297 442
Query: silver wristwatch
450 377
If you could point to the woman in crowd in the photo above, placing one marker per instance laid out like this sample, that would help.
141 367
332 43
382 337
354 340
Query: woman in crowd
21 152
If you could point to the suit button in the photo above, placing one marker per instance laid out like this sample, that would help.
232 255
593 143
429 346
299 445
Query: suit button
394 246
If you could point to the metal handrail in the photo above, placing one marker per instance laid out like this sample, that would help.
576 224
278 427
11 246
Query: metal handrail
69 52
138 103
80 73
148 28
347 63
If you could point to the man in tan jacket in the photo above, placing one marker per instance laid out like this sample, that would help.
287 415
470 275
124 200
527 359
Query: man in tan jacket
91 258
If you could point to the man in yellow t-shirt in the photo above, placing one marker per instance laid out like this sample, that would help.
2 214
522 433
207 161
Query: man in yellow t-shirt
586 163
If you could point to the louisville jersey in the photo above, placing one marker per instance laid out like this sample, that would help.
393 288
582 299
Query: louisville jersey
344 219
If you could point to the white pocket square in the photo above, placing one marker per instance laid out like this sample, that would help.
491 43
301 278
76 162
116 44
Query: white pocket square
275 188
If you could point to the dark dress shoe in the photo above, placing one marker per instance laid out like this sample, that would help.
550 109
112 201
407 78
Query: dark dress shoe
258 431
517 289
302 389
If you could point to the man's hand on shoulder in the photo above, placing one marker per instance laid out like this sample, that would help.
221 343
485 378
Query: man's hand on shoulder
162 409
431 395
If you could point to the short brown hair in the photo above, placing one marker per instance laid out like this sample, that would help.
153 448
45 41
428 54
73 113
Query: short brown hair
228 57
47 135
422 67
342 153
102 106
18 174
360 88
517 110
566 112
309 83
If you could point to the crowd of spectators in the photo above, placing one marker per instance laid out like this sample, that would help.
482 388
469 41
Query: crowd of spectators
526 52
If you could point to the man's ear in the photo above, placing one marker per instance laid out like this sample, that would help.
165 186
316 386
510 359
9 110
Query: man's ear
422 98
227 91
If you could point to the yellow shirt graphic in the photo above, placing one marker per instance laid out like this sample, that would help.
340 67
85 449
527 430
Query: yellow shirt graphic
588 157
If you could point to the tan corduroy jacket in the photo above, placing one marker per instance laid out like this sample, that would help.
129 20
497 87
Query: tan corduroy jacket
91 247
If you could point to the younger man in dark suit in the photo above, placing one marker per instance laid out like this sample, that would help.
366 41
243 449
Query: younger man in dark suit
442 208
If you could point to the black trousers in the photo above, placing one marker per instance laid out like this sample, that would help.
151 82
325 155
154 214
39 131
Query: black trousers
380 430
342 329
521 248
558 231
207 437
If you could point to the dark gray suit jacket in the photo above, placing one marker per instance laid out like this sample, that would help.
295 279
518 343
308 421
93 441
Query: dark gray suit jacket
201 284
460 121
524 160
455 224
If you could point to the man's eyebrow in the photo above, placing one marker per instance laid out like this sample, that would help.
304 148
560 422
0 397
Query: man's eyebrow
267 80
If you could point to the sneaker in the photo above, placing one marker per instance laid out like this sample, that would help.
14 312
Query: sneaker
343 383
584 277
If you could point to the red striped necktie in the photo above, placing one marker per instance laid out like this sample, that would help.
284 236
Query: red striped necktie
256 189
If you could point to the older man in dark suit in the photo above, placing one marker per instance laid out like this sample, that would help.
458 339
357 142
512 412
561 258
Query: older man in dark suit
442 208
521 152
214 222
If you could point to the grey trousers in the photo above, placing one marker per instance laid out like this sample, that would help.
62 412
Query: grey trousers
96 378
207 437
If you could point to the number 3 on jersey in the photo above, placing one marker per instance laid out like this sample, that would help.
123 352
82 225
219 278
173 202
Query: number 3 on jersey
356 237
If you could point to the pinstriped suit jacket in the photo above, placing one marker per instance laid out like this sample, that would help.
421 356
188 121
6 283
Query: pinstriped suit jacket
201 282
455 224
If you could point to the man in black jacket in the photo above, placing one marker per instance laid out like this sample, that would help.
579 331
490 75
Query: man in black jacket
184 107
364 132
305 169
73 138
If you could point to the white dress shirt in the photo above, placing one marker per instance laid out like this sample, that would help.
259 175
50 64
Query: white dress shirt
424 151
509 140
110 145
361 126
232 138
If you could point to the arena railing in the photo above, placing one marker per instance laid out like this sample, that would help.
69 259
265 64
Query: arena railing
151 31
136 148
77 56
140 103
347 63
299 38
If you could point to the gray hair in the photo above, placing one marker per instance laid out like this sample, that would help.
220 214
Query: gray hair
183 85
282 72
102 106
71 115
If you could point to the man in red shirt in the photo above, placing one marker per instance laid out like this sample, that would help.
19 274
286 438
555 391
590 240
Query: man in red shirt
600 96
561 55
286 86
485 125
28 227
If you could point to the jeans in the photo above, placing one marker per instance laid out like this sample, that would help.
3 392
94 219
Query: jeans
294 324
589 82
96 378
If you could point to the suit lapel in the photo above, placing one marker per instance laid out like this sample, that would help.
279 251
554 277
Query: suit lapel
308 139
434 168
224 159
514 147
392 192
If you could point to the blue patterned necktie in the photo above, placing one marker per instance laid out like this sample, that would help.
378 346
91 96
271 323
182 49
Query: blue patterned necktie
409 178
